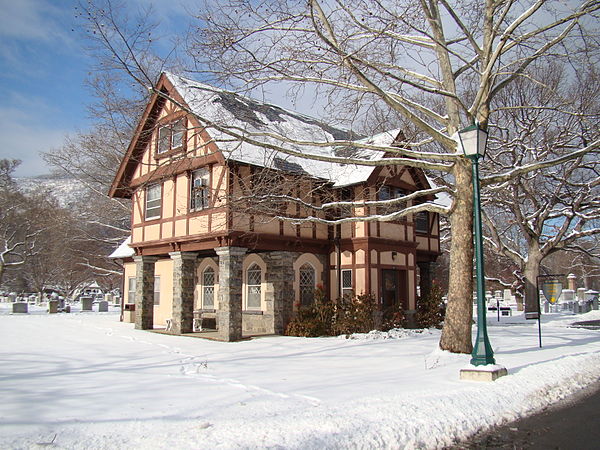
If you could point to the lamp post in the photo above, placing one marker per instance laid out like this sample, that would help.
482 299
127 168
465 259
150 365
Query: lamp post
473 141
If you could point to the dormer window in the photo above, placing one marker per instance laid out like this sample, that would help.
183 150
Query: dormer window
200 190
170 137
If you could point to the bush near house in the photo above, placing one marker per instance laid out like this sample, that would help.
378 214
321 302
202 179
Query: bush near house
346 315
431 309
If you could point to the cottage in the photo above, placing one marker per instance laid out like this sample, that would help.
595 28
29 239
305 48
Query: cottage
210 197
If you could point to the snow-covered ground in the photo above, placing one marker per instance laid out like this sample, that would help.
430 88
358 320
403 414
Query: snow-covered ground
85 380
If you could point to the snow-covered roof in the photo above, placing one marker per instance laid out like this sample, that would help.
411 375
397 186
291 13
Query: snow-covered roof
256 120
123 251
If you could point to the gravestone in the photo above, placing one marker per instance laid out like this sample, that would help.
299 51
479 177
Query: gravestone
12 297
86 303
507 295
19 307
581 294
103 306
108 298
568 295
52 306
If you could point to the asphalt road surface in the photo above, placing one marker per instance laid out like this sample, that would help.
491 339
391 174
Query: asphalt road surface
573 424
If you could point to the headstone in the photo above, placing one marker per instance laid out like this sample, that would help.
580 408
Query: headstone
498 295
507 295
12 297
568 295
108 298
581 294
67 309
52 306
19 307
103 306
86 303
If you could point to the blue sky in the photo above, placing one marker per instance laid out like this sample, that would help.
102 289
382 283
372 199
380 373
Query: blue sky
43 66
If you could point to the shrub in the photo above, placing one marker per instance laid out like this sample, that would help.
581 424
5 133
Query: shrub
347 315
430 309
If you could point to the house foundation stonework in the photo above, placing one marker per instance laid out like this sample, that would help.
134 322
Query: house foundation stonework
207 254
144 292
229 314
184 284
279 292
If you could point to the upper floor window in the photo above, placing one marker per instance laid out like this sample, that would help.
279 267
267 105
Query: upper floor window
153 201
389 193
422 222
170 136
253 281
200 190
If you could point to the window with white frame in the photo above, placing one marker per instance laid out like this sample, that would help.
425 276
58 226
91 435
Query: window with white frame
208 288
253 292
307 284
170 136
157 290
346 282
153 201
131 290
200 190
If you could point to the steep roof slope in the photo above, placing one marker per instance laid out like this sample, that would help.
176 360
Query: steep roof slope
265 126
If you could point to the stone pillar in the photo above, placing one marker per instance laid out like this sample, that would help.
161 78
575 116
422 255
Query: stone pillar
184 282
572 282
144 292
279 292
229 314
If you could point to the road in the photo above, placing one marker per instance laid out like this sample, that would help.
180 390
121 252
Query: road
571 424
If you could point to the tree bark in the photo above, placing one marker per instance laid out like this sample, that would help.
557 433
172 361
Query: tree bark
456 333
530 273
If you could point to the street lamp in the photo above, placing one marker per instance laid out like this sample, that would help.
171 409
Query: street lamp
473 142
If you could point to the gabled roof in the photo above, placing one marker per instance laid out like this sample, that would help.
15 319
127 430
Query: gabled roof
223 112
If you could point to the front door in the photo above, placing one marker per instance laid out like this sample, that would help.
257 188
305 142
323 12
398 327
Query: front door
389 288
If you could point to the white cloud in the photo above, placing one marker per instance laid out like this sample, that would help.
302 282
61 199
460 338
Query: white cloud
31 20
23 137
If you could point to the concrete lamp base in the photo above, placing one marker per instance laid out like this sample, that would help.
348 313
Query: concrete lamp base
490 372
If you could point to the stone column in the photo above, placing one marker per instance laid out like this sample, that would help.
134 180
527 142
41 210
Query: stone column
229 314
184 282
279 292
144 292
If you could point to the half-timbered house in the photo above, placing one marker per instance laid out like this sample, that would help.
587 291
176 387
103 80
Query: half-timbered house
211 198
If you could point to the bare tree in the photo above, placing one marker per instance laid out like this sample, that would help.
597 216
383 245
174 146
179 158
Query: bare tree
434 65
533 215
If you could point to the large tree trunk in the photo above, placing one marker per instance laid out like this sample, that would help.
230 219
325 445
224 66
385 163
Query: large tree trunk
456 334
530 273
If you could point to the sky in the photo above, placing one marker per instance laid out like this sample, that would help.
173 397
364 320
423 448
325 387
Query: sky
43 67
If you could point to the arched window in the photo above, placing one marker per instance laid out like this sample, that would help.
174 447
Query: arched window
208 288
253 280
307 284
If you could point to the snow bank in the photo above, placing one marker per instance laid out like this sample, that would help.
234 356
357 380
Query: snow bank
89 381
